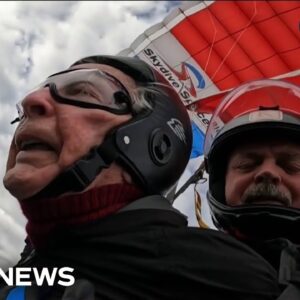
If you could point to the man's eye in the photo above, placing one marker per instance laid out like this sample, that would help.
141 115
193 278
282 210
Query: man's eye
245 165
292 168
83 92
74 90
78 89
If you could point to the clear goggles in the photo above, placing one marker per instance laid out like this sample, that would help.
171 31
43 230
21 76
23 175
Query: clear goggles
86 88
261 100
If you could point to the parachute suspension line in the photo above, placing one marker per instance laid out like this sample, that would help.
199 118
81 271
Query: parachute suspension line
196 177
198 212
236 41
214 38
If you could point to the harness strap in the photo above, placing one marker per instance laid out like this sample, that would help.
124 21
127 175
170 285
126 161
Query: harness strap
289 273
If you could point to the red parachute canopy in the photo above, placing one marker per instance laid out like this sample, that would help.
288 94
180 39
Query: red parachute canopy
206 48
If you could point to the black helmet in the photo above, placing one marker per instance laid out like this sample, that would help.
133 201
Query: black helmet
255 110
154 146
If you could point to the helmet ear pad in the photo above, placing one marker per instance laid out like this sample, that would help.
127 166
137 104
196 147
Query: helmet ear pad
155 145
160 147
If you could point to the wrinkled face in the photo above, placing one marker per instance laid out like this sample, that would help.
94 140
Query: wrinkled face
52 136
264 173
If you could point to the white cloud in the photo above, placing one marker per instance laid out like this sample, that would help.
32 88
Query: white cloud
38 38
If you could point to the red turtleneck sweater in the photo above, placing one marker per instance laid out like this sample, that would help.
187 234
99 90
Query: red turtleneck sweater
44 215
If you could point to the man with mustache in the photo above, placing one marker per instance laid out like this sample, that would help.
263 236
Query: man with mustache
97 147
252 155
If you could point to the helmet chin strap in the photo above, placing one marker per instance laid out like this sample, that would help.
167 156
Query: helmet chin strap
82 173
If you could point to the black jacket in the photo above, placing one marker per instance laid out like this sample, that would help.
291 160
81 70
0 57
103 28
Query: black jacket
146 251
284 256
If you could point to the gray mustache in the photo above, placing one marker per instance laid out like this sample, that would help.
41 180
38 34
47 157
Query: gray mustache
266 190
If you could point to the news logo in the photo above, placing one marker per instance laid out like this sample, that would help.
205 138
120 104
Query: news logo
26 276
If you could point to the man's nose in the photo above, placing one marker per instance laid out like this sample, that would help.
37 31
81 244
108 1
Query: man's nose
38 104
268 171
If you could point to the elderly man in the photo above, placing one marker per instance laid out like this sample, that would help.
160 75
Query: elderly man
96 148
253 158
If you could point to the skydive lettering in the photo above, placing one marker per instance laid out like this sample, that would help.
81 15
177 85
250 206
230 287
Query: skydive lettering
158 63
164 70
21 276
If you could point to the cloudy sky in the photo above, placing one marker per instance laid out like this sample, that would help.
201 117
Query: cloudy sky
40 38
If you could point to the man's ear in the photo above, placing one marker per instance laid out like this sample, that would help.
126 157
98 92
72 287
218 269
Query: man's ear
114 174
